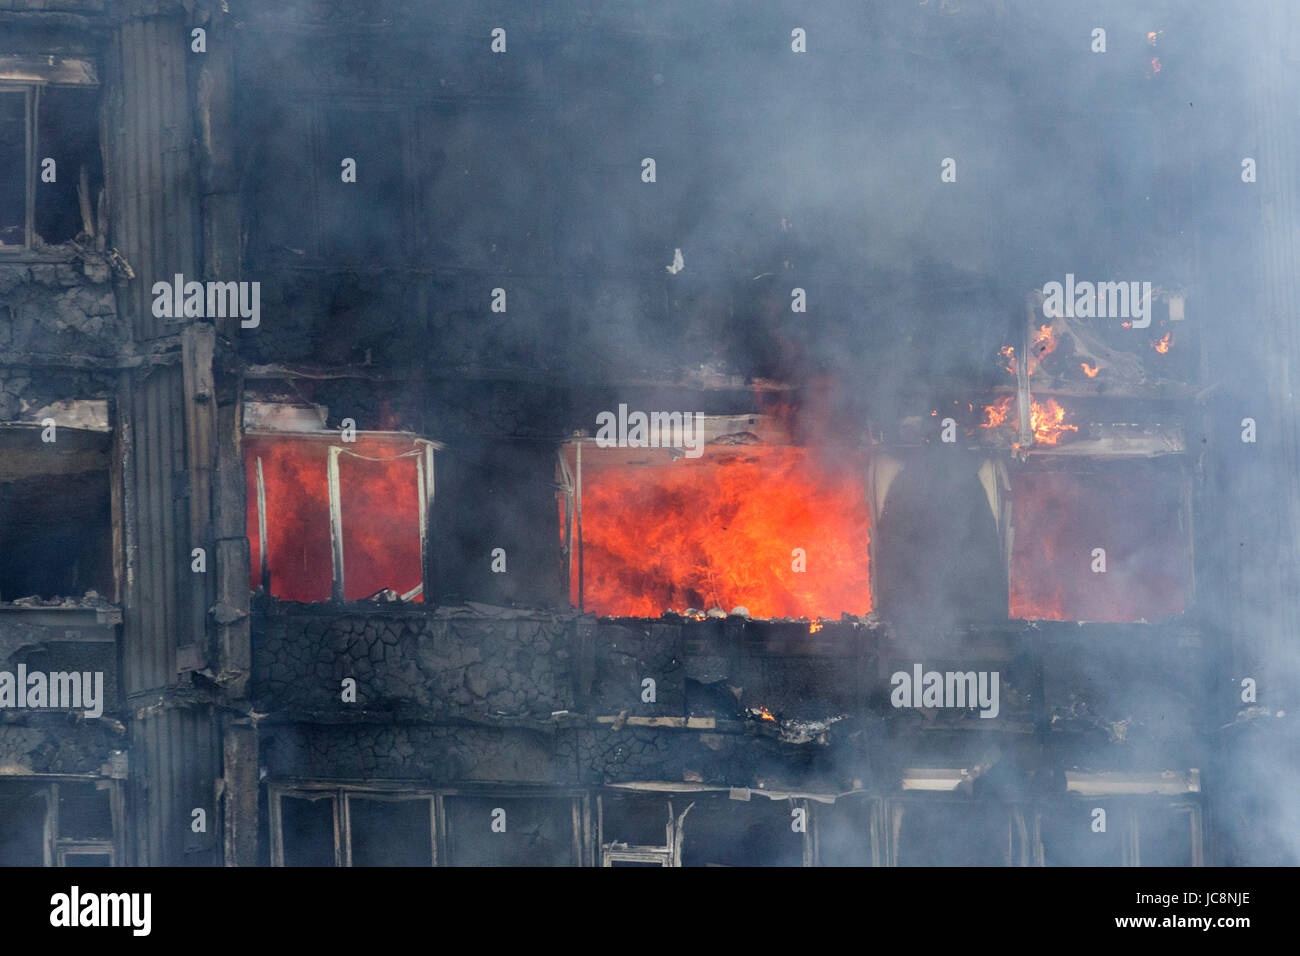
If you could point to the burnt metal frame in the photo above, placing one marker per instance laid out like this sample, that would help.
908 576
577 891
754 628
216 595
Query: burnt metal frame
56 848
394 791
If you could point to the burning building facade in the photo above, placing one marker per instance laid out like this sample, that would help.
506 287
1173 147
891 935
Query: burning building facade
467 436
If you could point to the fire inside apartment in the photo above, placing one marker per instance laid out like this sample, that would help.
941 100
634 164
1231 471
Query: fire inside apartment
509 434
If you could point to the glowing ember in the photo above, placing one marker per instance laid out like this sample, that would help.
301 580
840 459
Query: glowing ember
1163 345
1090 370
722 530
1047 419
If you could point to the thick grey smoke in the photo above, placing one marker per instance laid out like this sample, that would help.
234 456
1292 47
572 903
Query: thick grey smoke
821 170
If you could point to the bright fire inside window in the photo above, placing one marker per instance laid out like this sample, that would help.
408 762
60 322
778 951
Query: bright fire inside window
781 531
378 504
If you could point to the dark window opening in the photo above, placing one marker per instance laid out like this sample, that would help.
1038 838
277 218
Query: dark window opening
362 220
55 524
68 133
23 812
1165 836
531 831
38 124
1068 837
939 555
390 832
635 819
720 831
13 166
504 498
85 812
307 829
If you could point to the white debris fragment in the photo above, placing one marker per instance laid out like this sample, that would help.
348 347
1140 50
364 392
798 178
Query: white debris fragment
678 263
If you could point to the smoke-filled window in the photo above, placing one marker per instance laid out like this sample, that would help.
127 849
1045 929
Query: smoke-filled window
1106 544
938 552
942 832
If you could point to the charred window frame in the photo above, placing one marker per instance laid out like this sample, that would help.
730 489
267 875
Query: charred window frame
337 811
345 805
48 108
615 852
82 820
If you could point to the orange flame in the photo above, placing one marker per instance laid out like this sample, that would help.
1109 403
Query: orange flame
720 530
1090 370
1009 353
764 713
1044 345
815 626
1163 345
1047 419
